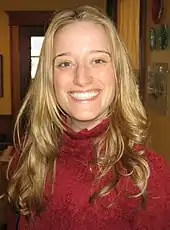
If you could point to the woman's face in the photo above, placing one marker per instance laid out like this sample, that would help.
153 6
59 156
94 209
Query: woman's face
84 77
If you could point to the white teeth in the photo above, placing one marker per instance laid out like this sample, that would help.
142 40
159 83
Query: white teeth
84 95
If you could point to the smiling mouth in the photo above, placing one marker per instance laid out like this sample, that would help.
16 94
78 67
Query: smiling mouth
84 95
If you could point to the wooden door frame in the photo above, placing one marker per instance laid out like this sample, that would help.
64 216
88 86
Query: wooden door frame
142 50
17 20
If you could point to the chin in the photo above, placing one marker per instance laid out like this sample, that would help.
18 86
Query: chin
96 118
85 117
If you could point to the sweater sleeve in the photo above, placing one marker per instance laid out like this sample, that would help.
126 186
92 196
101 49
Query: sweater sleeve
156 216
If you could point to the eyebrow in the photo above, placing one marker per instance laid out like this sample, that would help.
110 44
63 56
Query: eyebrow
91 51
101 51
63 54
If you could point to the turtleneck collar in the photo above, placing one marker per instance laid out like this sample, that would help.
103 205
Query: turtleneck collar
85 134
80 144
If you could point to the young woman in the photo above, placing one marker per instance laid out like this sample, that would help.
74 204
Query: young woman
81 161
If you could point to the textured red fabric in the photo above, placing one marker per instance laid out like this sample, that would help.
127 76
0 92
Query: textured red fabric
69 209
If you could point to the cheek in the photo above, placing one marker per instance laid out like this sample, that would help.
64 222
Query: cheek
108 78
59 90
109 84
60 83
61 86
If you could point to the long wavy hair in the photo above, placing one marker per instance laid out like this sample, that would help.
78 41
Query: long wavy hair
40 123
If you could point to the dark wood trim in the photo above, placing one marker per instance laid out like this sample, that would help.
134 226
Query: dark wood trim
15 70
6 128
111 9
142 50
1 76
18 19
25 65
29 18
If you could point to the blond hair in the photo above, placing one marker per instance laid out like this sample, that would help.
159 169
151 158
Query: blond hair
38 150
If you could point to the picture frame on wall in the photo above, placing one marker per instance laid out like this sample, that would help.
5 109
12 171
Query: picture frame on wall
1 75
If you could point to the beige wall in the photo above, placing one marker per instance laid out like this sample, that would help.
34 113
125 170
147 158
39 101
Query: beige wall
19 5
160 125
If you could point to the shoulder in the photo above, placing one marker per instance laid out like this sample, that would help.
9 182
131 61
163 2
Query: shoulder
157 213
159 180
156 159
158 188
159 170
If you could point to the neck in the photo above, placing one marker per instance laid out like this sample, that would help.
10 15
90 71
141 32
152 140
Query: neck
84 134
77 125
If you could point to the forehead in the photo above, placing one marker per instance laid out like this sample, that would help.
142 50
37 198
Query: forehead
81 33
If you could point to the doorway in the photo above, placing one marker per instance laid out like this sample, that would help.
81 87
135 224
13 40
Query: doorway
31 38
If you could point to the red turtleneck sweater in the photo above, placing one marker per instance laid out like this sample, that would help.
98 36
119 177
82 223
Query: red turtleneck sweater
68 208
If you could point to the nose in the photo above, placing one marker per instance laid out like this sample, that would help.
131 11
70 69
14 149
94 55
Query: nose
82 76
